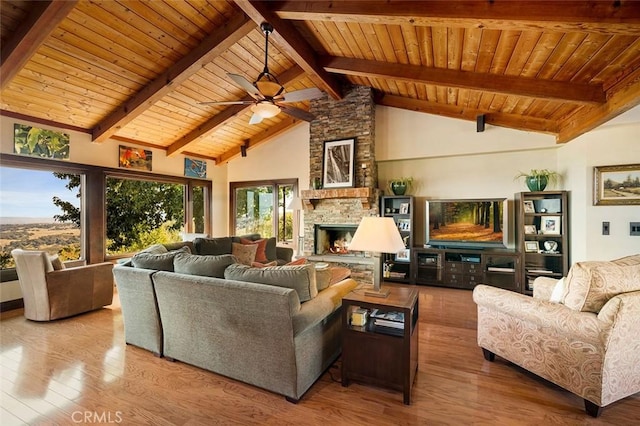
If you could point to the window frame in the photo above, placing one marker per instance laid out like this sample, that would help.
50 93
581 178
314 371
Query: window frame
275 184
93 194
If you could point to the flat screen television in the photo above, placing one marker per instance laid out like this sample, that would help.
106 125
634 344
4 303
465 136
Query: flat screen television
473 223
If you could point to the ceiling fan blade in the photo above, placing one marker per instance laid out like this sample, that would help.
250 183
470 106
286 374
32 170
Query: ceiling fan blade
302 95
297 113
246 85
226 103
255 119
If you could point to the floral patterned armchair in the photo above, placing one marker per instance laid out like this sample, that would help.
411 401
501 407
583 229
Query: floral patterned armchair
581 333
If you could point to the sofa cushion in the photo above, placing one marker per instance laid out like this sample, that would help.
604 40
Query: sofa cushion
179 245
261 244
245 253
270 249
301 278
264 265
155 249
202 265
215 246
589 285
628 260
157 261
558 291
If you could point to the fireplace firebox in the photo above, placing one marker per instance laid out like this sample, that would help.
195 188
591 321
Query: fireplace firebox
333 239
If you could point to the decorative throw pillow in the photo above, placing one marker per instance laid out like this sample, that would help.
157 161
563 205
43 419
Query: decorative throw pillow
323 278
217 246
155 249
270 249
56 262
245 253
590 284
300 278
558 292
158 262
261 255
202 265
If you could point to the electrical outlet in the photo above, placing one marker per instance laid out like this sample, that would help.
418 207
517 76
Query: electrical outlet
605 228
634 228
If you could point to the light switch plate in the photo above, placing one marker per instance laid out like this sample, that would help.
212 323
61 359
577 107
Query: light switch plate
605 228
634 228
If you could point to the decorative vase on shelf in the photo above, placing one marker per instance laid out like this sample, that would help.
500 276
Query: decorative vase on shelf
537 183
400 186
537 180
317 183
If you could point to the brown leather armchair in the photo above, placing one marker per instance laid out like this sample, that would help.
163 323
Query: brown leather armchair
51 293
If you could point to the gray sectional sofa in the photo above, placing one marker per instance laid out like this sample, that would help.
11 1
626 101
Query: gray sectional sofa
277 327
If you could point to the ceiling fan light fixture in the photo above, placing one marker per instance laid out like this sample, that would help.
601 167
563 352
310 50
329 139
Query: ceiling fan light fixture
266 109
268 88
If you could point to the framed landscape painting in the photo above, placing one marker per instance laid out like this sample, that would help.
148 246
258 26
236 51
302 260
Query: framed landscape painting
616 185
337 164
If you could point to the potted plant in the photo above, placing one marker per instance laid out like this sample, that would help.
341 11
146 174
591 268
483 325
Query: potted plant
537 180
399 186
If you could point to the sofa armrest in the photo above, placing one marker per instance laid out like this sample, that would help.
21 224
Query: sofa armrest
543 287
284 253
554 317
324 304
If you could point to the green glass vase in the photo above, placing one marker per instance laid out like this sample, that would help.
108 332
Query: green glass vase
536 183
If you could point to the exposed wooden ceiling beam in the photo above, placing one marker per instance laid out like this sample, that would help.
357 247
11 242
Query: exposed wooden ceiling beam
604 17
622 97
212 46
228 114
43 18
293 44
260 138
504 84
453 111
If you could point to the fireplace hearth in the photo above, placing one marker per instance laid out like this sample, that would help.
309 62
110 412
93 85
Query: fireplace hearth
333 238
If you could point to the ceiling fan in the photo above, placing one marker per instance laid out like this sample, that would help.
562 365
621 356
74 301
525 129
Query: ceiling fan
269 98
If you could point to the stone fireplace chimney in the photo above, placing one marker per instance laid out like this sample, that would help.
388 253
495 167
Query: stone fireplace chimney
351 117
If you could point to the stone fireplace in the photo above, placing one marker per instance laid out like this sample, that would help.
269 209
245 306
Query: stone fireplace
330 212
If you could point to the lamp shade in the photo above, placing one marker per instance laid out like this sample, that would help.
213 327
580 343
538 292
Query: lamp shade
266 109
377 234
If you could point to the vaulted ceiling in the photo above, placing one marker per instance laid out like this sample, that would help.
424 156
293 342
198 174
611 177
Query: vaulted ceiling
138 71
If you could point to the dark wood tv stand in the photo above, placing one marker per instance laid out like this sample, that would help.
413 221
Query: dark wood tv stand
465 268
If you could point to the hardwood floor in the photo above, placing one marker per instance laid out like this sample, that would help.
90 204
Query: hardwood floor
79 371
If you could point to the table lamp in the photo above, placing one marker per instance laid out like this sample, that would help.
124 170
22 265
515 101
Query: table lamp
377 235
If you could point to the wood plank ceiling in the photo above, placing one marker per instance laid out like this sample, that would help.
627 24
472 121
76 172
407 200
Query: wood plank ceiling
137 71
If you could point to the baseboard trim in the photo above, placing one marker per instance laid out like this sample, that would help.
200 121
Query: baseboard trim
11 305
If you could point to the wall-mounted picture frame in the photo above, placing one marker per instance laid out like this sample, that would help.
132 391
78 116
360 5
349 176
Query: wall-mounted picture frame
195 168
530 229
338 163
528 206
403 255
616 185
404 208
38 142
550 225
135 158
531 246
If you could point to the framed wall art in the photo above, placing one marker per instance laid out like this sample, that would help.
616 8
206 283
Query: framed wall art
37 142
616 185
338 163
195 168
531 246
135 158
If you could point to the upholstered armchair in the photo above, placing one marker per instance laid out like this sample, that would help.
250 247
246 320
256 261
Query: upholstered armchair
51 293
581 333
